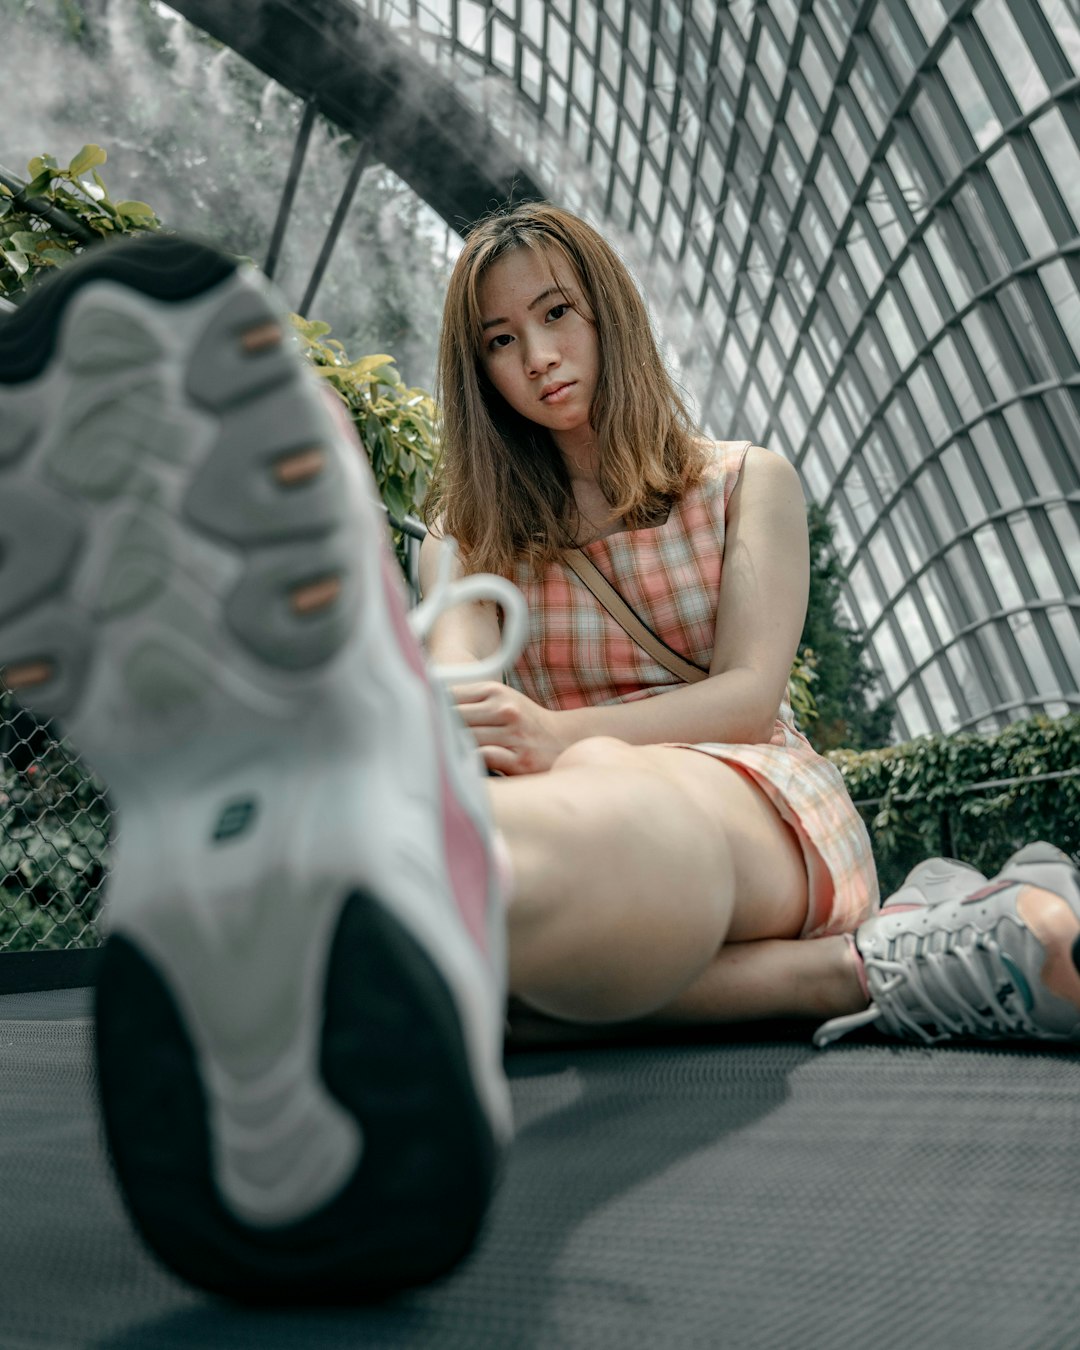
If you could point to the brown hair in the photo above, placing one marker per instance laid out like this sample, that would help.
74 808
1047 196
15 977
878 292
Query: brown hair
500 486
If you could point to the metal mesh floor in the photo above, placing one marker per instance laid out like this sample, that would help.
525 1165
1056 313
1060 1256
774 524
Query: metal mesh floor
744 1190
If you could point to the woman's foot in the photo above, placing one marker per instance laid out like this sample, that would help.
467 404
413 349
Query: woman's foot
1000 963
300 1007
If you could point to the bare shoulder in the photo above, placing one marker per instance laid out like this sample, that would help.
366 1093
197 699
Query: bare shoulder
766 473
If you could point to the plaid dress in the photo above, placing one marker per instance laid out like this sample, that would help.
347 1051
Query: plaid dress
576 655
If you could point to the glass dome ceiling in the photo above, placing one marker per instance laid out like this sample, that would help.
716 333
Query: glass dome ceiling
858 225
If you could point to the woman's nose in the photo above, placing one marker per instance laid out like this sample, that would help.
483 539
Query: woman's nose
540 356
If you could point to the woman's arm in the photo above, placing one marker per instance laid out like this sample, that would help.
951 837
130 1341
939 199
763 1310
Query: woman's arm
759 619
469 631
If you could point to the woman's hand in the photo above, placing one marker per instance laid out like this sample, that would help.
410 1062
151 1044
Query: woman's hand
515 735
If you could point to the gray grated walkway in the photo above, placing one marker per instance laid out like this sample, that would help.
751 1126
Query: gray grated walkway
744 1191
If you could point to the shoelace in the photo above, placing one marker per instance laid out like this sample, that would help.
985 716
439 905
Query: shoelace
923 988
446 594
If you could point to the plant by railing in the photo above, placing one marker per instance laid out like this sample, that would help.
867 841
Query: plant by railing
45 221
969 796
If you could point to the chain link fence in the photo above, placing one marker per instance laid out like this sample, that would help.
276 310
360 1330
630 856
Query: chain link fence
54 839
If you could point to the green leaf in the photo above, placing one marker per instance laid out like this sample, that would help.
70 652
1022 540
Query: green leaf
87 158
137 212
15 261
26 241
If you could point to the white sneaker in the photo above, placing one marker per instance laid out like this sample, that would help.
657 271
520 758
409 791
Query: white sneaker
301 1000
1001 963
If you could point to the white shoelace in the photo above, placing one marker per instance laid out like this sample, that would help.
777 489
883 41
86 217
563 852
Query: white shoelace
445 594
923 989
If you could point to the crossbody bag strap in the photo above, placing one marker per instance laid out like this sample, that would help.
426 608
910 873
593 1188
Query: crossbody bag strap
625 617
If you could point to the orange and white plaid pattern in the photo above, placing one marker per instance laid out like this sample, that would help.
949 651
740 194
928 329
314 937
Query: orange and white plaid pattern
577 656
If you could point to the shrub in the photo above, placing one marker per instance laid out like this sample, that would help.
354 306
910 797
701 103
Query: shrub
957 794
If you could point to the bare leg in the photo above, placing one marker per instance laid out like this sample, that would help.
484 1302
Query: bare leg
633 866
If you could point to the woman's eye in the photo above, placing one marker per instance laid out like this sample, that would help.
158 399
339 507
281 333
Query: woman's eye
557 311
499 340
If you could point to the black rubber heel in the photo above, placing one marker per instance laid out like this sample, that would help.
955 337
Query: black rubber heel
165 267
392 1053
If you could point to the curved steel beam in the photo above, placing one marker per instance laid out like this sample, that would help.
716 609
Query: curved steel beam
355 72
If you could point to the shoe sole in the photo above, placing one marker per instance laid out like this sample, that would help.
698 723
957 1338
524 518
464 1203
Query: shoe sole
296 1046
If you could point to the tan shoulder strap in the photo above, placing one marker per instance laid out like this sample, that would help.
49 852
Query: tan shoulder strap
625 617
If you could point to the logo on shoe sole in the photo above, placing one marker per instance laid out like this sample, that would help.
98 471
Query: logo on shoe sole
235 820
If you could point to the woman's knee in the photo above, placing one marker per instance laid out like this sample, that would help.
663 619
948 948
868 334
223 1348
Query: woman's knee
596 752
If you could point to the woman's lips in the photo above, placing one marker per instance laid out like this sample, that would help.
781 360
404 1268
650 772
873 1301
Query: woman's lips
558 393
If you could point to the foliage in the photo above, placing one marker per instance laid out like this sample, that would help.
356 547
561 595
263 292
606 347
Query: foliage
841 678
54 831
30 244
396 424
916 801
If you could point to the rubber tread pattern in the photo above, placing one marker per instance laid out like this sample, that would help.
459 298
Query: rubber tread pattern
158 265
392 1054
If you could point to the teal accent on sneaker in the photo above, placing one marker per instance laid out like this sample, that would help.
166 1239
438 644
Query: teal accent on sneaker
235 820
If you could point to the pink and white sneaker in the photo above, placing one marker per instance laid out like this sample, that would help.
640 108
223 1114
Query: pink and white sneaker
301 1000
1001 962
932 881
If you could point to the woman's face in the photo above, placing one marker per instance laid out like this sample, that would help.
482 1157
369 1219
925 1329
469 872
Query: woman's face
538 350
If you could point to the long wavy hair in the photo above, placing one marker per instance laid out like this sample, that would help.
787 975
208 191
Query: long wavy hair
500 486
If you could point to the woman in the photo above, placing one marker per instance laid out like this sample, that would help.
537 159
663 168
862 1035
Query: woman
669 853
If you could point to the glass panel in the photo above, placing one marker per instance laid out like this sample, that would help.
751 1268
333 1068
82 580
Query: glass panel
943 152
558 49
769 62
969 94
865 260
873 101
930 16
610 55
583 81
1061 292
842 294
993 462
928 406
896 331
1066 626
817 77
784 173
1042 575
1022 206
880 466
996 564
988 355
1063 25
1062 157
959 290
949 363
863 505
1034 653
911 714
768 366
891 45
1065 528
833 192
867 598
586 24
801 127
1011 53
940 624
889 570
941 699
972 507
782 325
1031 452
1000 664
808 381
813 234
639 41
926 312
758 118
883 214
873 365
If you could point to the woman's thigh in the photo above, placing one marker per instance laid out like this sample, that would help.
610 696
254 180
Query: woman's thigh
770 879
